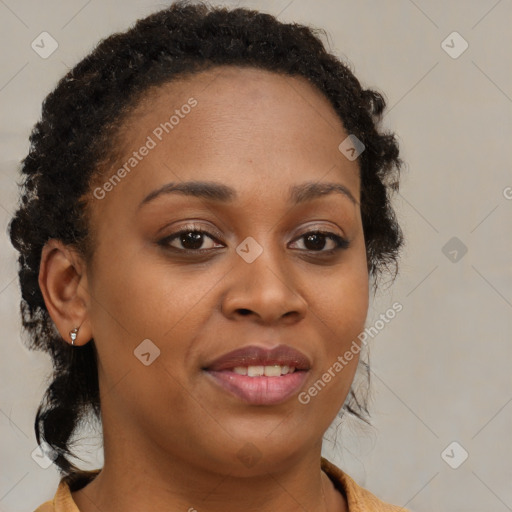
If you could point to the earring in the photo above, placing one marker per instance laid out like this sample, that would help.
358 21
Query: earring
72 335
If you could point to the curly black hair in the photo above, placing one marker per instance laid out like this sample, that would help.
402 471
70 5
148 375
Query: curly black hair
77 132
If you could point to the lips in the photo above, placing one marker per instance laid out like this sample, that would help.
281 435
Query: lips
282 355
257 387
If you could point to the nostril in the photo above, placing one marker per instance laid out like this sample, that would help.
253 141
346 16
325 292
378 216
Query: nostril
244 312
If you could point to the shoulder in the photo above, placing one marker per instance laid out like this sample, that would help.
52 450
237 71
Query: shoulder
47 506
358 498
63 500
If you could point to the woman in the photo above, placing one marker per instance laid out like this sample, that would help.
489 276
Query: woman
205 205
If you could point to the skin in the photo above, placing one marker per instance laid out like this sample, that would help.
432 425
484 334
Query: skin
171 437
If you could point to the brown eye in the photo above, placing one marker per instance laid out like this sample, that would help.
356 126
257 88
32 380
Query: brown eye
316 241
190 240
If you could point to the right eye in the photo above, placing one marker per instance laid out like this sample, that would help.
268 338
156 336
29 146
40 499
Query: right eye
191 240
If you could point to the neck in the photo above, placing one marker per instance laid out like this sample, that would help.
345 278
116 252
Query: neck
132 481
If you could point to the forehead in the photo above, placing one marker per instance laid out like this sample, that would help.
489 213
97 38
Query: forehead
248 127
242 106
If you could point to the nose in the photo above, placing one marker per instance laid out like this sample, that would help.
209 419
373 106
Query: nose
265 291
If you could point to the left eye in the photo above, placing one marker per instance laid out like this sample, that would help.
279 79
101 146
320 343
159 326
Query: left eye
318 239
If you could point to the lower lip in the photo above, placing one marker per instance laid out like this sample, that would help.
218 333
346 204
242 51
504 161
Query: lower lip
260 390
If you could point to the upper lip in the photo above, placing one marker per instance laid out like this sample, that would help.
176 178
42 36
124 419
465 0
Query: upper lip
258 356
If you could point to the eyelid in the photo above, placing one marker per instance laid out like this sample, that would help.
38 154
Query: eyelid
322 228
192 226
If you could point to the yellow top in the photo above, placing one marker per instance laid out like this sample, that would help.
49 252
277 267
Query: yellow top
358 498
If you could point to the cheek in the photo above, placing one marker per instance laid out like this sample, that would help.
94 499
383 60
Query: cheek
144 295
141 309
343 319
341 304
343 296
136 298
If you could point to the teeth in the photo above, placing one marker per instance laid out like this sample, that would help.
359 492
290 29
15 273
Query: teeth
267 371
255 371
272 371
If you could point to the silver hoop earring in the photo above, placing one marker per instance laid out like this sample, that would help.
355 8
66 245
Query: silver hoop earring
72 335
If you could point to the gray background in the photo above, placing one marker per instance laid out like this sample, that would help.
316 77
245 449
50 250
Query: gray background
440 369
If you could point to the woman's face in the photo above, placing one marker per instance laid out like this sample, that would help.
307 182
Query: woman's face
164 309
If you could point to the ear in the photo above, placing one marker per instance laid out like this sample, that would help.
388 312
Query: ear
63 283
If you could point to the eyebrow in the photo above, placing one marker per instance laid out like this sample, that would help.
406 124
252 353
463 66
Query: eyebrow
222 193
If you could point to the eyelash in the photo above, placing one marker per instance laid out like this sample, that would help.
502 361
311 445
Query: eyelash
341 243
